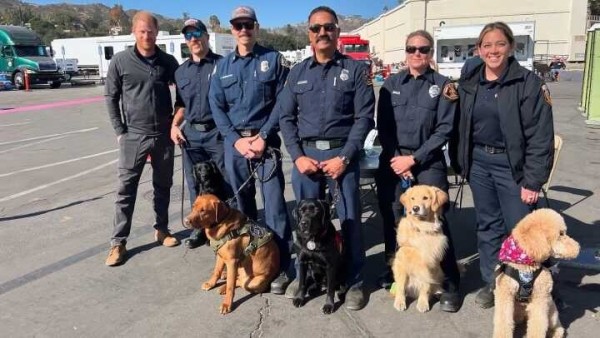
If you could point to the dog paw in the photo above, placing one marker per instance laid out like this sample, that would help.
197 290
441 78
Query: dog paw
327 309
223 289
225 308
207 286
400 304
422 306
298 302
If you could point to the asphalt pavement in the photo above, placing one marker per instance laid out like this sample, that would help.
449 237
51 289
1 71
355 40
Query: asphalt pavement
58 157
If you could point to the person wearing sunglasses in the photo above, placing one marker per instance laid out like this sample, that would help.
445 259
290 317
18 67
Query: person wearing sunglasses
503 145
326 110
140 109
242 96
415 113
199 135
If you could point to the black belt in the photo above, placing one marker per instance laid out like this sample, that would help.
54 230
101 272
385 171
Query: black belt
405 151
247 132
204 127
324 144
490 149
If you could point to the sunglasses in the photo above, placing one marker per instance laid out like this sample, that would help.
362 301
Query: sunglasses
316 28
238 26
414 49
193 34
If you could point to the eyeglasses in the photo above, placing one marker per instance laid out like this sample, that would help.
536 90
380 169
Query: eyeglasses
193 34
316 28
414 49
238 26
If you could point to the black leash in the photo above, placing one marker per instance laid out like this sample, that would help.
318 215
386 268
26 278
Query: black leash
275 155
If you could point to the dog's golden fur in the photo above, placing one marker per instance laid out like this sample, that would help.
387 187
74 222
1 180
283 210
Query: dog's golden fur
541 235
253 272
422 245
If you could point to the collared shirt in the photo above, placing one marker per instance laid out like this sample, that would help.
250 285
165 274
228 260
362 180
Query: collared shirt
327 101
193 82
413 114
243 91
486 118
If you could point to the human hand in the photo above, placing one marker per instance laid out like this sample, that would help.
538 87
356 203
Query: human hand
243 146
306 165
177 135
333 167
529 197
401 164
258 145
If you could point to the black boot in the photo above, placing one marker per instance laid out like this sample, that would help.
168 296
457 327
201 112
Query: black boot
197 238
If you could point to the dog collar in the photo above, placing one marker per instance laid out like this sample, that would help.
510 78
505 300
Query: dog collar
511 252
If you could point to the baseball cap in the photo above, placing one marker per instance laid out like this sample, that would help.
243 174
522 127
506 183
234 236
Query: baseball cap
243 12
194 23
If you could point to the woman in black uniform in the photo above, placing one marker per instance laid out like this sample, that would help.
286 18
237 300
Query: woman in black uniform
415 114
504 144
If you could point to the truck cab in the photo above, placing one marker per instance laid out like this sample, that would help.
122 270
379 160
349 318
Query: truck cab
22 52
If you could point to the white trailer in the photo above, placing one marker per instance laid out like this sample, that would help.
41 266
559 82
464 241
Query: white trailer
175 45
82 49
455 44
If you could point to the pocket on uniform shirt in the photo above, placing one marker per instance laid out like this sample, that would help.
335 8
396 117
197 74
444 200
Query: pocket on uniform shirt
231 88
267 85
184 87
345 91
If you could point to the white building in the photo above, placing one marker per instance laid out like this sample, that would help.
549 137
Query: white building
560 25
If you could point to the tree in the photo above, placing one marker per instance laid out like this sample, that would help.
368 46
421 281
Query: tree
594 7
185 15
214 23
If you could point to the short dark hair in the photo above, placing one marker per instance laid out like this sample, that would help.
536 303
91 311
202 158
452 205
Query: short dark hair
323 9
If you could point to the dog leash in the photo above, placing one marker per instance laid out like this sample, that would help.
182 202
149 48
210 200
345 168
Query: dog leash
275 154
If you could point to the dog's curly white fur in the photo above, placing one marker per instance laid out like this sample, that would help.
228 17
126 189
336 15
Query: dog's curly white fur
541 235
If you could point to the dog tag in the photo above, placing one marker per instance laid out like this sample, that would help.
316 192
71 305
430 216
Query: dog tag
310 245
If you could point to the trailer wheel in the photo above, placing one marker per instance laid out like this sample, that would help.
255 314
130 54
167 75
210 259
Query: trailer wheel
19 80
55 84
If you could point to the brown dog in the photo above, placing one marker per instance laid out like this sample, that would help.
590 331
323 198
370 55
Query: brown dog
524 285
249 265
422 245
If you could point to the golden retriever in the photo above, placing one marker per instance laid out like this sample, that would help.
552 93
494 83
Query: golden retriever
422 245
540 235
254 271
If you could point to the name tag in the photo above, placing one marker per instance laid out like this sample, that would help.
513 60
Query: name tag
302 82
226 76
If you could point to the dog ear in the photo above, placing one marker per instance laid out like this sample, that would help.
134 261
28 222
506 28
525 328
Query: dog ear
404 198
220 209
440 198
531 235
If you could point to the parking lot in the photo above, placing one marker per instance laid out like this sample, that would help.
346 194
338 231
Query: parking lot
58 157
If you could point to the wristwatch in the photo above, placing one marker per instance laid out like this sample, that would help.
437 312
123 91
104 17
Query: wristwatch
344 159
263 134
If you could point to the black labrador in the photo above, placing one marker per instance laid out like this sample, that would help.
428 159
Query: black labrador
209 179
319 252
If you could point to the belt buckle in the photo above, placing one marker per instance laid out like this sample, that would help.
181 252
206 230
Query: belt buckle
322 145
246 133
201 127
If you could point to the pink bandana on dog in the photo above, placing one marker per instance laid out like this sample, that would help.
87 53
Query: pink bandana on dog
511 252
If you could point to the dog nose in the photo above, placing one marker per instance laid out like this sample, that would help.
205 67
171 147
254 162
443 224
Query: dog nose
416 208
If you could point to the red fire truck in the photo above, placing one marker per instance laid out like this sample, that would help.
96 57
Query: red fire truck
355 47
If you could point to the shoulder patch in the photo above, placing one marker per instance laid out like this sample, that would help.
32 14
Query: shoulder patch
546 93
367 78
450 93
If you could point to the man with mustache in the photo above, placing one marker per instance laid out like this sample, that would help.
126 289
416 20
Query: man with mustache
199 135
326 110
242 96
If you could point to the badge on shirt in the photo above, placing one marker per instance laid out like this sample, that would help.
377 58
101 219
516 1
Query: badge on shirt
546 93
264 66
345 75
450 92
434 91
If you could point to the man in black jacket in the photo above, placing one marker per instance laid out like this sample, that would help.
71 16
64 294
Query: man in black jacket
137 87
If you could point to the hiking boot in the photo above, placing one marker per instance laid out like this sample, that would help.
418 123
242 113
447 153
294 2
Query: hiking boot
165 238
355 298
291 290
197 238
280 283
117 255
485 297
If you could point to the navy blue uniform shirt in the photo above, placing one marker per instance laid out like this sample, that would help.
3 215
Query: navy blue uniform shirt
412 113
327 101
243 91
193 81
486 119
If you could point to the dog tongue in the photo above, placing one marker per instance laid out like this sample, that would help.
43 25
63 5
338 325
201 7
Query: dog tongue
310 245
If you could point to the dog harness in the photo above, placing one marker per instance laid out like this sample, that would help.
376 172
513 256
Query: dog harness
259 236
511 252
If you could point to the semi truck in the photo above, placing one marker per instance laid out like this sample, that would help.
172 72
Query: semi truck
22 53
355 47
455 44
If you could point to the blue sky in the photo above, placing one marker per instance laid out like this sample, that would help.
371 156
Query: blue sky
270 13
